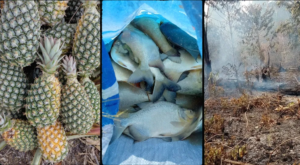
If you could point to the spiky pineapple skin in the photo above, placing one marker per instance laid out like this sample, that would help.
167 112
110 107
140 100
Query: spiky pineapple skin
86 47
20 32
74 10
77 111
52 12
13 85
65 32
43 101
94 97
22 136
53 143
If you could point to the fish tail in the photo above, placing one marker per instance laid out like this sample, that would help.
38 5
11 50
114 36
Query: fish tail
157 64
171 85
172 52
170 96
160 87
142 75
163 56
158 90
118 130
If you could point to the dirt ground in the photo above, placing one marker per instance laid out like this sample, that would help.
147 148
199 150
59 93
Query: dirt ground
262 128
79 154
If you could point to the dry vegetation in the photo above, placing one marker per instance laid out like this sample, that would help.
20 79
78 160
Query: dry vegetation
84 151
261 128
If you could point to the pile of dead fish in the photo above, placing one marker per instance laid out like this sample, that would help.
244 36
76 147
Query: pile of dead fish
159 72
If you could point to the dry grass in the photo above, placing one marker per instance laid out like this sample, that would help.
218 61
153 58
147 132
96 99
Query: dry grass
81 152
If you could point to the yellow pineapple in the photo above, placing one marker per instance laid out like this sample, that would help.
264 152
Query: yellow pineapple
53 142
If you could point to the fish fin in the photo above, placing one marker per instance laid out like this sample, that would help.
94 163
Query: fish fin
167 139
175 59
172 52
142 75
138 134
183 76
170 96
158 90
163 56
171 85
157 64
176 123
118 130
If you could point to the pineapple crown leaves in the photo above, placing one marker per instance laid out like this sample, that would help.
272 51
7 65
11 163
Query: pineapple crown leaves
69 66
5 123
51 53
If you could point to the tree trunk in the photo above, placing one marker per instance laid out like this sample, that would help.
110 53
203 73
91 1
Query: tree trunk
207 62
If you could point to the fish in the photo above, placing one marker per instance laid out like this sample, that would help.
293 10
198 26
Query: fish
192 84
160 119
177 72
131 95
152 28
120 55
121 73
161 83
188 101
181 39
144 52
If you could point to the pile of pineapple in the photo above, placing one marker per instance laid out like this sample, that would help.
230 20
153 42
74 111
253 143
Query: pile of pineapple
60 40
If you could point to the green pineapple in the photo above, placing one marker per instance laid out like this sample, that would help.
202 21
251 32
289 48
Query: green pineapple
65 32
52 12
94 96
77 111
20 32
43 100
74 11
13 85
19 134
86 47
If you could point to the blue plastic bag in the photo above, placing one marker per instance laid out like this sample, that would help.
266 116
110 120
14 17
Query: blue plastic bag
116 15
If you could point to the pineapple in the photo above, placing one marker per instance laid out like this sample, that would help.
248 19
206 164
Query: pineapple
19 134
53 143
86 47
94 96
77 111
65 32
43 100
74 11
13 85
52 12
20 32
